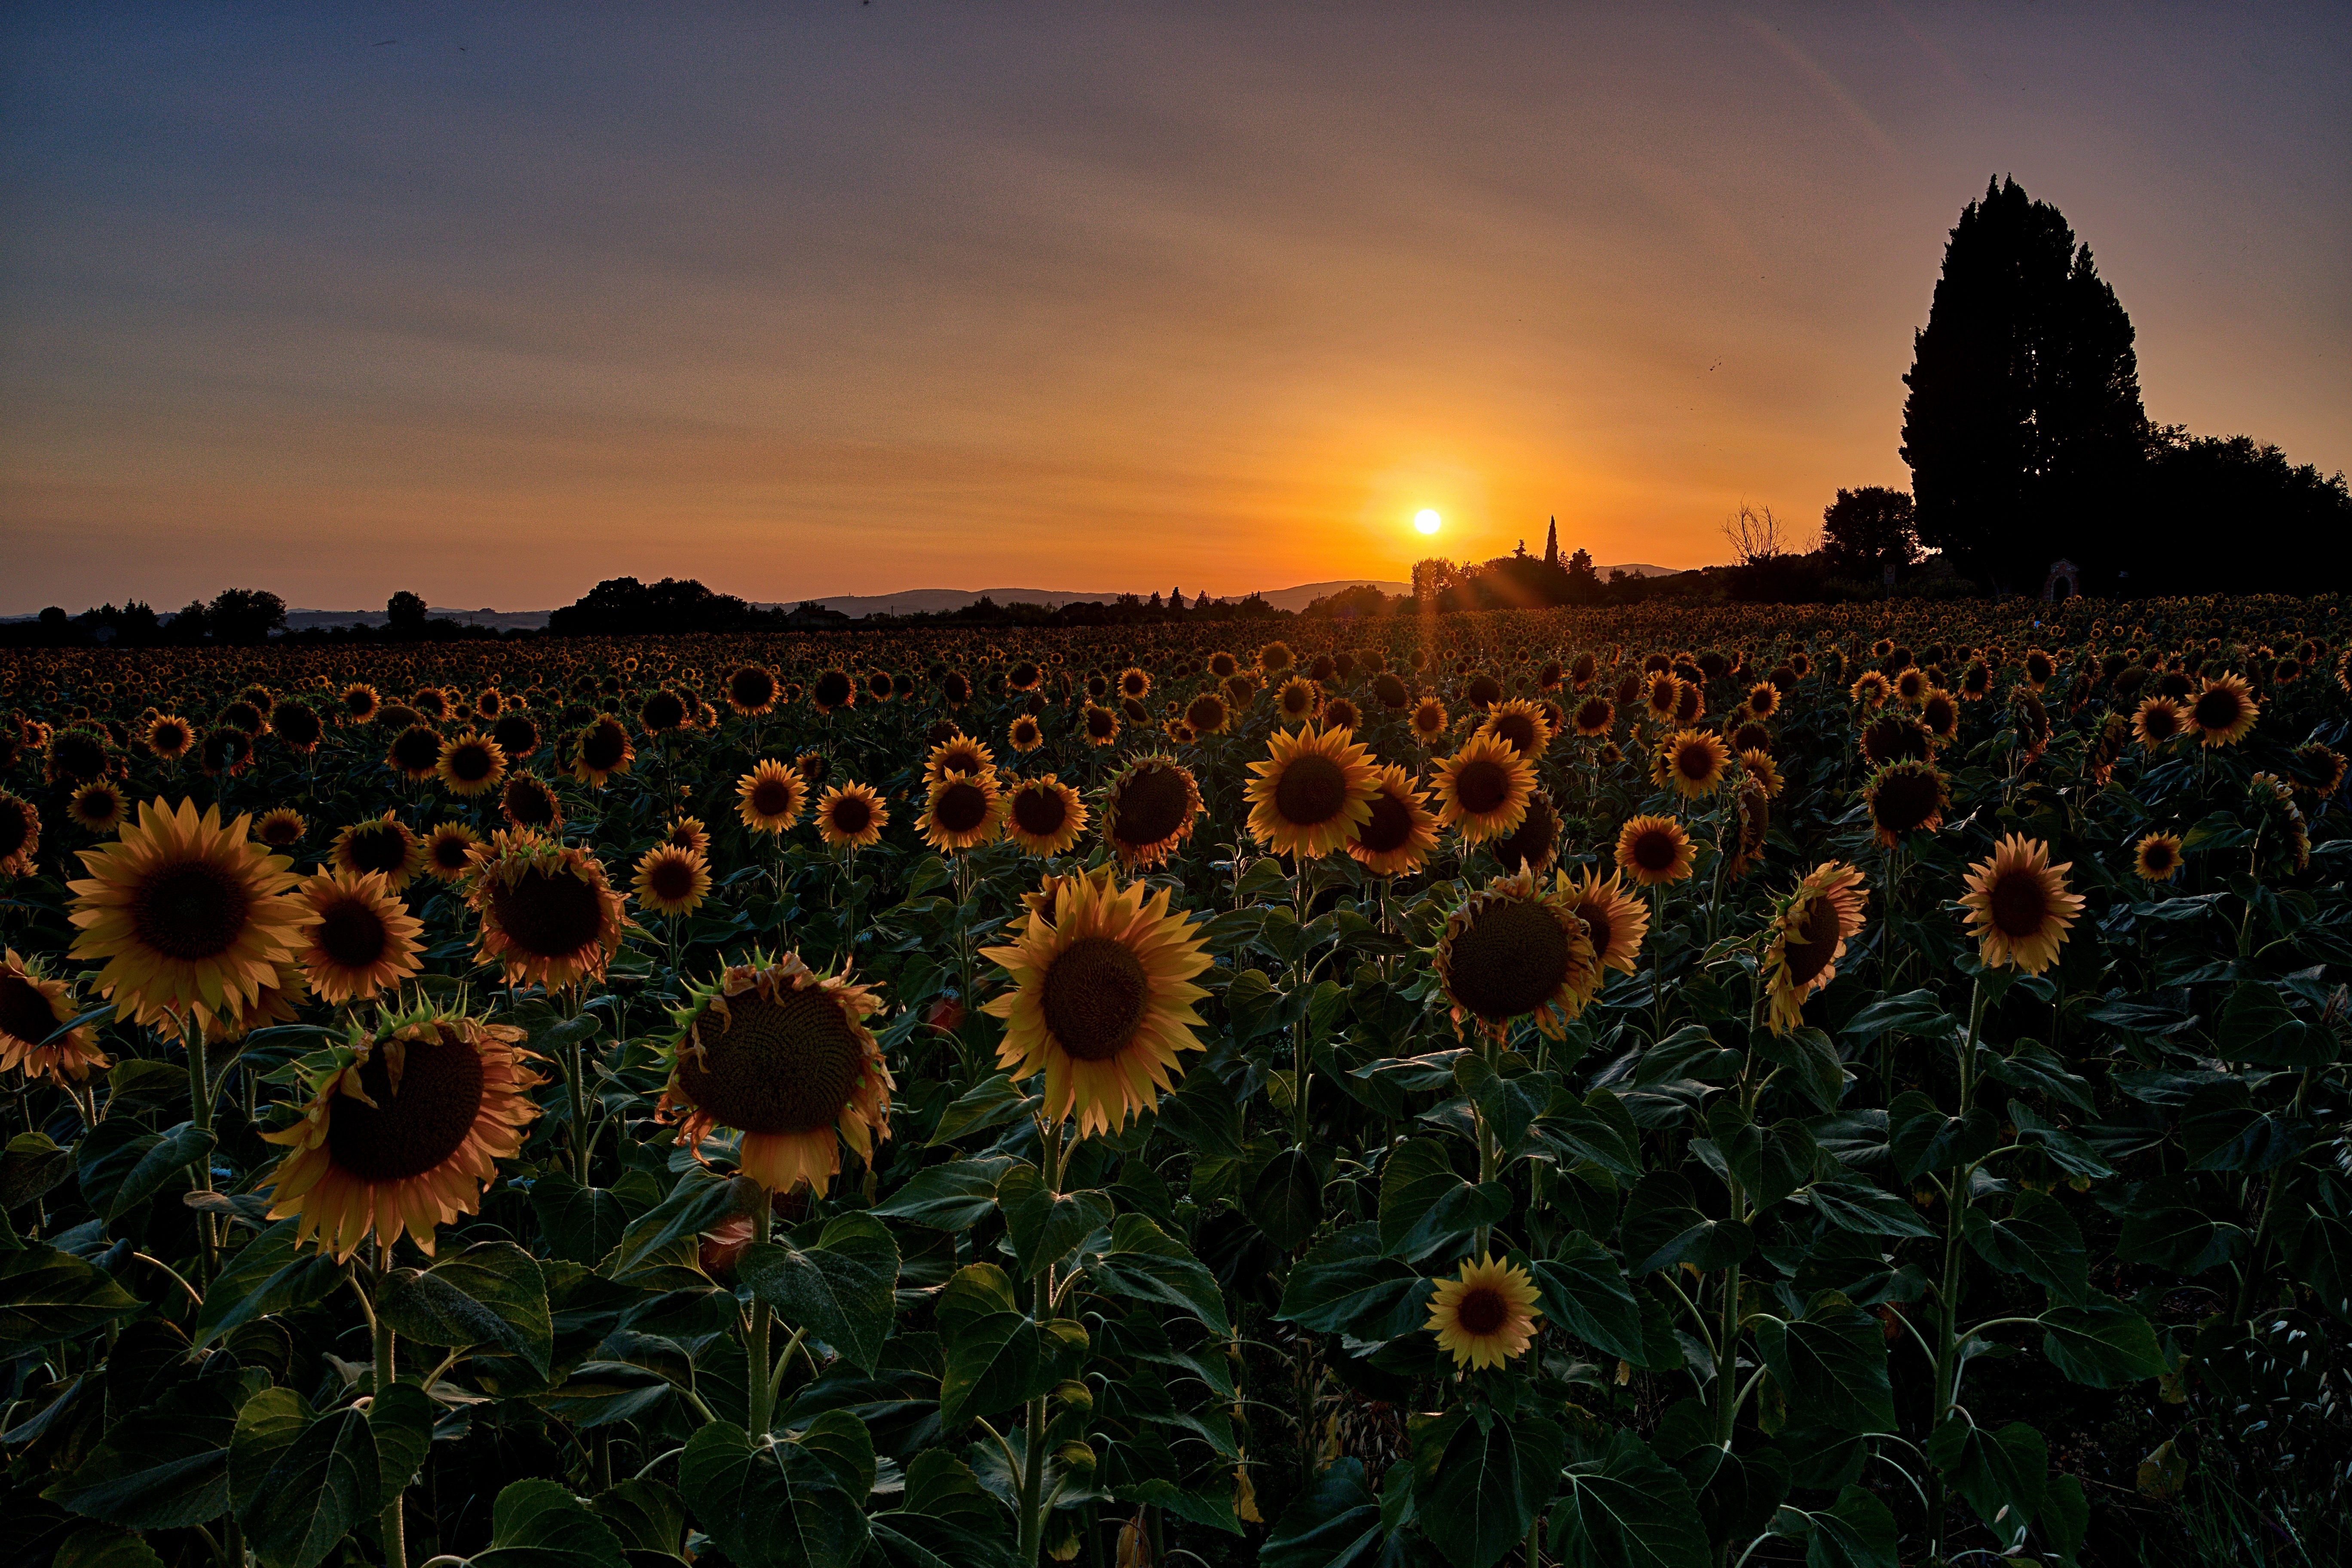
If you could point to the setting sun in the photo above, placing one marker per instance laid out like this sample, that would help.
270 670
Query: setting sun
1425 520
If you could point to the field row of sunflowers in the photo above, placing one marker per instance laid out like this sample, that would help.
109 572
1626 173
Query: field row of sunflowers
1660 1086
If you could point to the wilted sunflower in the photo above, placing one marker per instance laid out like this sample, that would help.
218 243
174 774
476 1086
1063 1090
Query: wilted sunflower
526 800
962 811
403 1130
415 752
1907 797
549 917
782 1055
1099 725
1654 850
189 913
281 827
1401 834
1523 724
601 749
1044 815
672 881
170 737
1024 734
1102 998
1810 930
470 764
2159 722
1534 844
1482 790
851 815
1512 949
1485 1314
449 850
1691 763
768 799
2157 858
2019 908
357 937
2224 711
379 844
97 806
1149 810
1615 919
34 1007
1310 794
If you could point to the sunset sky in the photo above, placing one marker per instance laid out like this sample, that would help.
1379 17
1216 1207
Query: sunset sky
809 298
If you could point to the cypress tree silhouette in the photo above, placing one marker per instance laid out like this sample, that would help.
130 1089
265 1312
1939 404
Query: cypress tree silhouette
1552 544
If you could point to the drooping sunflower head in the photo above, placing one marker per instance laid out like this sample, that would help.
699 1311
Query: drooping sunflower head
1401 832
358 938
1614 918
1763 771
548 916
189 914
1809 932
1654 851
1312 792
383 844
963 811
851 815
1044 815
1691 763
959 754
1905 797
1102 998
1483 789
2157 858
2224 712
470 764
405 1127
672 881
97 806
1485 1314
1149 810
34 1005
1941 713
449 850
783 1057
768 799
1514 948
2019 908
1895 736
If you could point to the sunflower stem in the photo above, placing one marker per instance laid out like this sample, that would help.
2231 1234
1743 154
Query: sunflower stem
1942 1395
200 1112
395 1544
761 1388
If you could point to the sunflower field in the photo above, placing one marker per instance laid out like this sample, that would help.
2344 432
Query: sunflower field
1672 1087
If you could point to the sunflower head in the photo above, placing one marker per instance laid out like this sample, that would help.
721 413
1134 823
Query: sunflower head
1485 1314
526 800
382 844
1906 797
449 850
414 754
781 1055
600 750
548 916
671 881
2157 858
1534 844
1099 725
959 754
1102 998
357 937
1524 724
1483 790
768 799
470 764
1044 815
1614 918
1023 735
404 1128
1311 794
1400 834
97 806
851 816
687 833
963 811
2019 908
2224 712
1149 810
1691 763
1654 851
281 827
1514 948
34 1005
1808 936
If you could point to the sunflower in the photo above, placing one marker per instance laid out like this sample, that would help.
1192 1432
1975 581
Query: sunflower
1149 810
1692 762
1809 932
851 815
1044 815
687 833
2157 858
1763 699
358 937
225 752
1940 712
672 881
1895 737
782 1055
189 914
281 828
97 806
1024 734
170 737
1907 797
1523 724
1534 844
1595 716
601 749
1102 999
379 844
959 754
1763 771
469 764
1311 794
963 811
2159 722
2224 711
1484 1315
1870 689
403 1130
549 917
526 800
415 752
769 797
1099 725
1134 684
75 756
1207 714
1654 850
1614 918
1299 700
1401 834
1275 657
34 1007
1513 948
298 724
1429 720
359 702
1755 809
2019 908
1482 790
449 850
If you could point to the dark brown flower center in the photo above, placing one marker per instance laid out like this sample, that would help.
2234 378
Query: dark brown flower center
193 910
1695 761
1389 826
851 814
1312 790
1519 730
471 763
671 878
1595 916
377 847
785 1064
1507 961
962 807
1153 805
1813 944
449 852
2158 856
1095 995
1481 785
1906 800
407 1133
2217 709
1040 812
547 914
25 1013
603 747
772 796
529 803
2019 903
1653 850
1206 712
351 934
1483 1309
